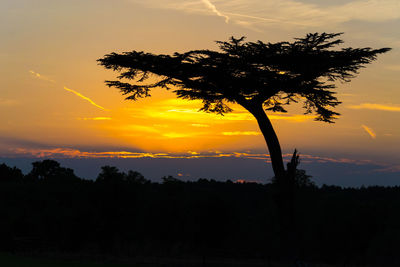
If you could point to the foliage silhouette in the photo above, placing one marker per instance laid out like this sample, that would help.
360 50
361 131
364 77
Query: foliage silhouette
50 171
255 75
183 219
111 175
8 174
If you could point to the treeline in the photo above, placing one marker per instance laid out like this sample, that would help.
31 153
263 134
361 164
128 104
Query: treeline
50 209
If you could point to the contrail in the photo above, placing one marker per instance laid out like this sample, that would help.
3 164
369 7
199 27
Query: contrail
84 97
214 9
369 131
266 19
41 77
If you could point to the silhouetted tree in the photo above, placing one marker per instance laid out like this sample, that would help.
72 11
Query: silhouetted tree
50 170
170 180
256 75
8 174
134 177
301 179
110 174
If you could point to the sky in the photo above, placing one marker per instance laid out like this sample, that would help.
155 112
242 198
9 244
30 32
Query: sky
54 103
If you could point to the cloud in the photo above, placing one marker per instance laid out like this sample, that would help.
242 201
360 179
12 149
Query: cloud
200 125
296 118
41 77
390 169
176 135
4 102
241 133
144 131
187 113
184 110
95 119
214 9
256 14
371 106
161 125
369 131
305 158
392 67
139 128
75 153
237 115
84 97
312 158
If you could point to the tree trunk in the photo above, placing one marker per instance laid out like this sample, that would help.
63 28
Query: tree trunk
284 183
272 141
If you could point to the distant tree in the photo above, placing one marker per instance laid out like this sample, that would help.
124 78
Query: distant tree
256 75
110 174
8 174
44 169
134 177
170 180
301 179
50 170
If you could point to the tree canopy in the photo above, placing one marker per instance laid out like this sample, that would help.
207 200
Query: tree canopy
248 73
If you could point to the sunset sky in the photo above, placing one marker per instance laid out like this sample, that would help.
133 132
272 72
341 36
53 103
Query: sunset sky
54 103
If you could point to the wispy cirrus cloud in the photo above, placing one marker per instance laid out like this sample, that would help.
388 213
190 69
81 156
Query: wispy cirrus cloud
393 67
369 130
83 97
241 133
5 102
41 77
96 119
214 9
45 78
200 125
294 118
237 115
390 169
261 13
372 106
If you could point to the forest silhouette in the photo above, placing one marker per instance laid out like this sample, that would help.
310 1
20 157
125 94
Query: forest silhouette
122 214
